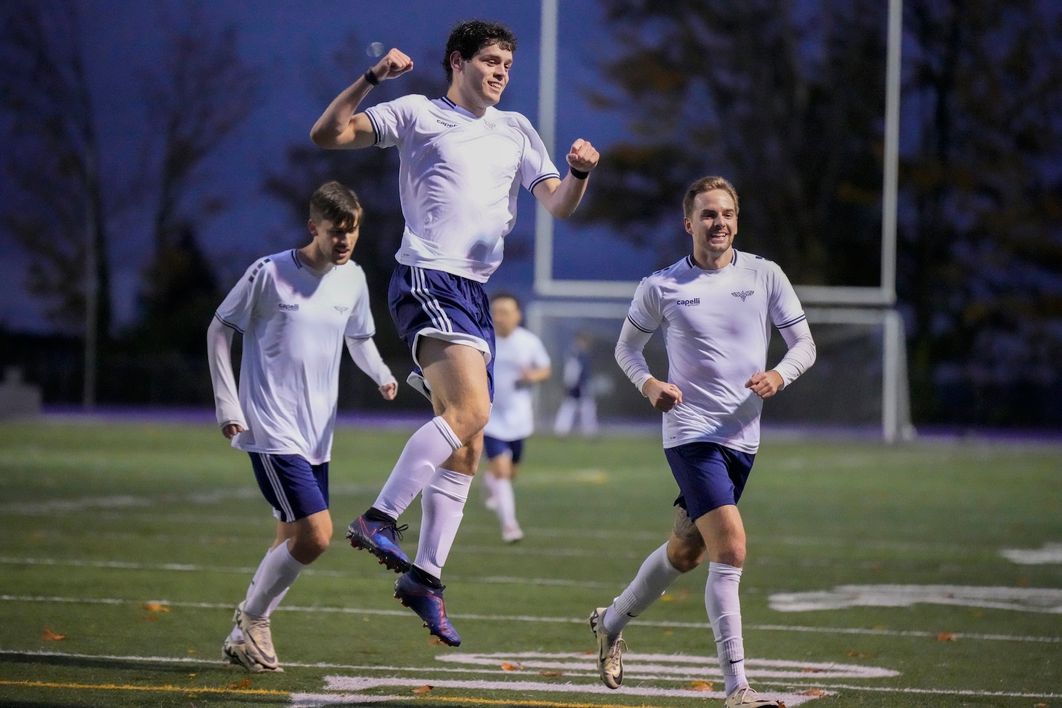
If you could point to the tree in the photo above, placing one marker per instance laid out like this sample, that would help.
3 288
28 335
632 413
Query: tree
981 245
51 163
785 100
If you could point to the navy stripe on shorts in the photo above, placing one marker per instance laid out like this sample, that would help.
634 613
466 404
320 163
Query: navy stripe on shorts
293 486
709 475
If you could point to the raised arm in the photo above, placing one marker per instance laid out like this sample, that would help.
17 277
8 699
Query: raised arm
562 196
339 127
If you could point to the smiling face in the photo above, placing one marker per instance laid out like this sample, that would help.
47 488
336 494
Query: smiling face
478 82
712 222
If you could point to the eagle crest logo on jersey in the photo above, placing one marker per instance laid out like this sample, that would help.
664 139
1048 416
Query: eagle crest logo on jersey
743 294
341 309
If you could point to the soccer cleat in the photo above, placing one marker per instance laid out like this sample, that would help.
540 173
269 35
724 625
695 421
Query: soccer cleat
745 697
257 639
236 653
512 534
428 603
609 653
380 538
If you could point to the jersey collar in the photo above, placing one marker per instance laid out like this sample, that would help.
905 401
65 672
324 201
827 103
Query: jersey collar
693 264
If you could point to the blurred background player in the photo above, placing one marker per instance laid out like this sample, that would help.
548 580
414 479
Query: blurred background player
578 391
520 362
294 309
716 308
461 164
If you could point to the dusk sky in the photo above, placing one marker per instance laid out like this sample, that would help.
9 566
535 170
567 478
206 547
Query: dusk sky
123 39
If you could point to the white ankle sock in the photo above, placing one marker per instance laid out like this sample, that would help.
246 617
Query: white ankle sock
490 484
426 449
275 574
724 613
653 578
443 505
503 494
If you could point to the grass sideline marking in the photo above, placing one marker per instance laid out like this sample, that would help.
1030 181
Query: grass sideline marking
540 619
421 669
164 688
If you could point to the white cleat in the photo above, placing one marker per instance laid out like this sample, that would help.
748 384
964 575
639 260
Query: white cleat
257 638
512 534
745 697
235 653
609 654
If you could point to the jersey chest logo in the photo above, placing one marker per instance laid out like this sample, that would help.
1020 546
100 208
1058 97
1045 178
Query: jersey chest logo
743 294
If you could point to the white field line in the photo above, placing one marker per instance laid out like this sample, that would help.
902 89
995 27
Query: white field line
540 619
198 661
194 568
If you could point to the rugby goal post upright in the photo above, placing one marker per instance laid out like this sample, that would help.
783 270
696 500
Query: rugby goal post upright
844 306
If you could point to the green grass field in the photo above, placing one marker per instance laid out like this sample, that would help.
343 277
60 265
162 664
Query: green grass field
125 547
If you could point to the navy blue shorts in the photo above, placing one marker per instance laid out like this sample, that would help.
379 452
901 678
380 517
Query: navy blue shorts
494 447
709 475
438 304
293 486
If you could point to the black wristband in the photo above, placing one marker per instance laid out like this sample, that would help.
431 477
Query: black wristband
578 174
371 78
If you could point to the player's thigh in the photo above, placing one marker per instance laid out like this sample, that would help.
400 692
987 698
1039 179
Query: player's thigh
685 546
724 534
457 377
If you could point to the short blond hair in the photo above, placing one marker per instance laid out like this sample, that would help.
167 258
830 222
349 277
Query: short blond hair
707 184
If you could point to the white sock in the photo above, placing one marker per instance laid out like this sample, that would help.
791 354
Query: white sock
724 613
503 494
653 578
443 505
426 449
277 572
490 484
236 634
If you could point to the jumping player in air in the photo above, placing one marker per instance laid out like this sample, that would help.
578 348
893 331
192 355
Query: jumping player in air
462 164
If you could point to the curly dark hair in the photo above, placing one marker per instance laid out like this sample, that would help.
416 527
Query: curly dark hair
469 37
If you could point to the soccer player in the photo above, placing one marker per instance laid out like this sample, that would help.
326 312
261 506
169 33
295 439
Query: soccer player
716 307
294 309
578 391
462 162
520 362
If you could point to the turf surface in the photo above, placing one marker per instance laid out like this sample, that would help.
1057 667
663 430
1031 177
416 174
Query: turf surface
124 547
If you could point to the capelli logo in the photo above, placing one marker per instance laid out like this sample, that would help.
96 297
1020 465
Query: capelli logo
688 303
288 308
743 294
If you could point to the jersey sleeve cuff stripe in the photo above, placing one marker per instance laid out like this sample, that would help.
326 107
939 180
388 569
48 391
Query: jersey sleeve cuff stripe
792 322
538 180
228 324
375 128
631 320
361 337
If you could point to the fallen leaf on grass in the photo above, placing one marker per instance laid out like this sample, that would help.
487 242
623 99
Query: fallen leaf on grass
811 670
945 636
814 692
421 690
245 683
506 666
551 673
159 607
49 636
701 686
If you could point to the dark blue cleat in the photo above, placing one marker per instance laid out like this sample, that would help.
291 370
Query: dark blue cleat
428 603
379 538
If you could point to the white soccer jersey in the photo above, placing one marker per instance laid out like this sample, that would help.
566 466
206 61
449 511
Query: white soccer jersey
294 322
716 324
459 180
512 417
